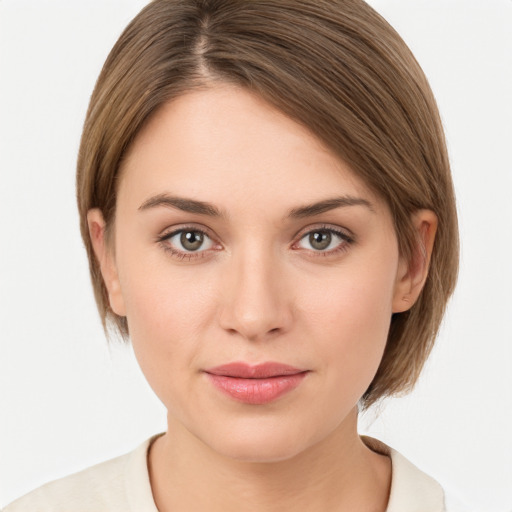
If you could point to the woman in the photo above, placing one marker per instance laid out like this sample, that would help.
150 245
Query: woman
267 206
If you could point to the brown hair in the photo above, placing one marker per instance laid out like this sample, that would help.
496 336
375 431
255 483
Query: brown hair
335 66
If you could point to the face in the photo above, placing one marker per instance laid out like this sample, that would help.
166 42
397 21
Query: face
257 273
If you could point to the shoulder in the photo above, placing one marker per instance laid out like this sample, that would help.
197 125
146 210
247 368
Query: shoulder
412 490
97 487
114 485
100 487
412 487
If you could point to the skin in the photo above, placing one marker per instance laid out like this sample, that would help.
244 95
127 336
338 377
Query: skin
257 290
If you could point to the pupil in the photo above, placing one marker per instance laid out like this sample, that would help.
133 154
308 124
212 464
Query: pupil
191 240
320 240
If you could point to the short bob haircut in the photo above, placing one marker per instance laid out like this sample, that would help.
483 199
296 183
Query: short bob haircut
335 66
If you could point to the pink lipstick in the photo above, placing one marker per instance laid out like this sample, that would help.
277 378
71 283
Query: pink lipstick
259 384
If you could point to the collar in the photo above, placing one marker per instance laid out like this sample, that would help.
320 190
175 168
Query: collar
411 489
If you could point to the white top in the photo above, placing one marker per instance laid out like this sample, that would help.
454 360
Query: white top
122 485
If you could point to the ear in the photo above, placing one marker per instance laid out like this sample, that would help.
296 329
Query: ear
412 274
105 256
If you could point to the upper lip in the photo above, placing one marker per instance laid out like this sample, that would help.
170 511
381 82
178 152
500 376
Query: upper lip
259 371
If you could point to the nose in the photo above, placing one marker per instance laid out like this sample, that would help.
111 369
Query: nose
255 303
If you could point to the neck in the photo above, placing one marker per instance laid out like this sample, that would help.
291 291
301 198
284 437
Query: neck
338 473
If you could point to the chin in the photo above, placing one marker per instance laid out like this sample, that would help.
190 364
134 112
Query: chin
261 452
260 443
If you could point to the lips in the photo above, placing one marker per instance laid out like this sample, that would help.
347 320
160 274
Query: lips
257 385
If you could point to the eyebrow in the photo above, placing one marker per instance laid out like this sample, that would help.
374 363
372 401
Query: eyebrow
204 208
329 204
181 203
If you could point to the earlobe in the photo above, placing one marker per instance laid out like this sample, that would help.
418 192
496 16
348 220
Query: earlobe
105 257
411 275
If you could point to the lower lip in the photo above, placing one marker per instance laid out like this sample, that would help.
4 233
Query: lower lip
256 391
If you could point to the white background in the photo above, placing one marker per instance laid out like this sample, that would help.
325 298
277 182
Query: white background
68 401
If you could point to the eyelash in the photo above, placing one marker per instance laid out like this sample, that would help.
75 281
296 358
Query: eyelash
346 241
181 255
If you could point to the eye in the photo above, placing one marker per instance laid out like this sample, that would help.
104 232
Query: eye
187 241
325 240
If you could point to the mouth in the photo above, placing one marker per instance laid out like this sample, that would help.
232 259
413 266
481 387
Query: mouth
255 384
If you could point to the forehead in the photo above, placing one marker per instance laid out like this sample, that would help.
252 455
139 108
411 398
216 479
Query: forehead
225 143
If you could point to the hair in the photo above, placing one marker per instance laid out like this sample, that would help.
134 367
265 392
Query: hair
335 66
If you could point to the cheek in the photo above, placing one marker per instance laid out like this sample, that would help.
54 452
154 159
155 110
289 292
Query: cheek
350 320
357 298
166 312
161 297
